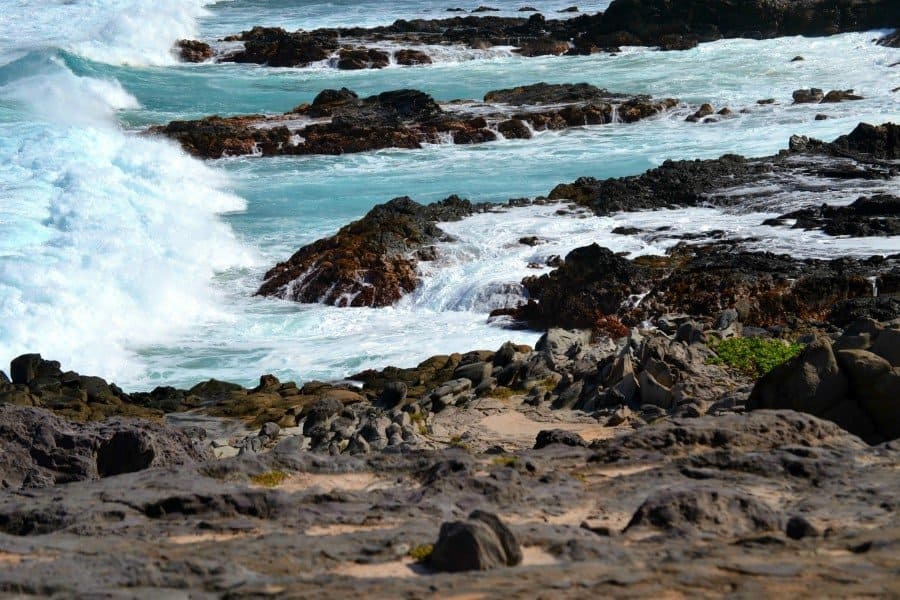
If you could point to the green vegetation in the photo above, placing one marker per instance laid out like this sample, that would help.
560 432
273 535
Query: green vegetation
504 461
548 384
419 419
501 392
422 552
269 478
753 356
457 442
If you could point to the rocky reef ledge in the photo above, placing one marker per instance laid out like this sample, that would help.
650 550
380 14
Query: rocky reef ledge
372 262
339 122
658 23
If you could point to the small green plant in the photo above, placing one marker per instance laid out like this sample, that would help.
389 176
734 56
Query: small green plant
504 461
421 553
548 384
456 442
419 419
753 356
269 478
582 477
501 393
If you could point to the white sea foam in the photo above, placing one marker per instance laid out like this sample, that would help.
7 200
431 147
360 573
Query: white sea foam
133 32
108 241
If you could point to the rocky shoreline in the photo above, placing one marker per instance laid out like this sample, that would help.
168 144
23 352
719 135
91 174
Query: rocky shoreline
658 23
717 419
576 462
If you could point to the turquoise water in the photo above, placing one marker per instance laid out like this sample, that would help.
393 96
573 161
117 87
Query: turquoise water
122 257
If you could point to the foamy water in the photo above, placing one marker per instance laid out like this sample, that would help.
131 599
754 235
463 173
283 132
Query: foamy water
120 256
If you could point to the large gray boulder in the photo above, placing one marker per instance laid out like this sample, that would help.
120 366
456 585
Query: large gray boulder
811 382
480 543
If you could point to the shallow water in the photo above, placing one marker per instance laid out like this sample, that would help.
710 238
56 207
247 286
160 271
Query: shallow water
122 257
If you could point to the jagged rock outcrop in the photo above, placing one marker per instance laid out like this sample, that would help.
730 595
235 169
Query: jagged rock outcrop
370 262
854 381
764 288
694 182
193 51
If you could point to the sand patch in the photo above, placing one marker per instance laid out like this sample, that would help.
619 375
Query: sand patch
200 538
513 425
608 472
771 496
533 556
573 517
341 529
11 559
352 482
8 559
403 568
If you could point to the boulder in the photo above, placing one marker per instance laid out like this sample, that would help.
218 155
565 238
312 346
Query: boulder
480 543
362 58
367 263
409 57
811 382
193 51
835 96
880 399
549 437
810 96
514 129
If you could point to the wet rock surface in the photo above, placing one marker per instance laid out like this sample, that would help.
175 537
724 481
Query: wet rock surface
868 216
594 285
370 262
193 51
857 155
339 122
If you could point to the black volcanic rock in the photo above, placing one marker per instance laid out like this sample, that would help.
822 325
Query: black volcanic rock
276 47
193 51
655 22
877 215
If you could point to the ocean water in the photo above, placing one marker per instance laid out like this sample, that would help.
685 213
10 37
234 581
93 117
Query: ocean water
122 257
